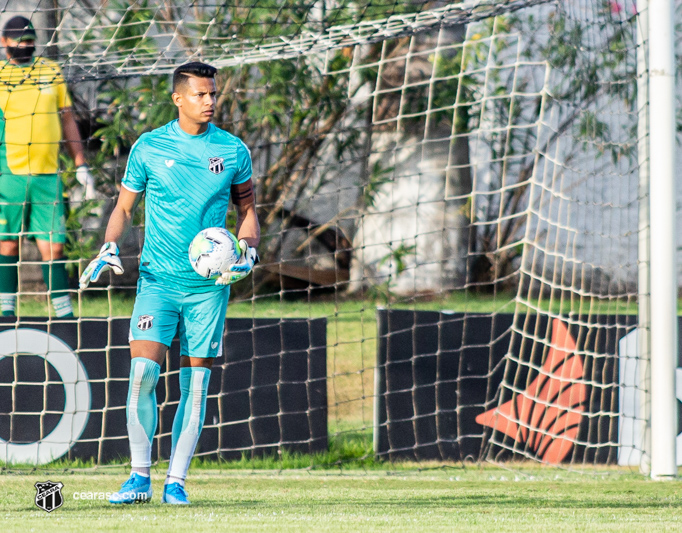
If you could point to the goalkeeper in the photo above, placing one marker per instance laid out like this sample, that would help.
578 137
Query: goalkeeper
188 169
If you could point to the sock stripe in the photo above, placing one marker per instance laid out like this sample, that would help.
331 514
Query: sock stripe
141 410
62 305
197 393
135 385
8 302
189 420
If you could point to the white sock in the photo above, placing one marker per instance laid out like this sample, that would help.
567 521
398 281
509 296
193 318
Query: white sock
8 302
171 479
141 412
188 422
62 306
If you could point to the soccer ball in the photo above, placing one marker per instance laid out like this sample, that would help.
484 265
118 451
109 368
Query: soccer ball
213 251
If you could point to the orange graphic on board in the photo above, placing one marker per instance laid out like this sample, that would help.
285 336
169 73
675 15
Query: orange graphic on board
546 416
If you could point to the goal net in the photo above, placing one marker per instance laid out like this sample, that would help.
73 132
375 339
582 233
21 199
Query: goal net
450 204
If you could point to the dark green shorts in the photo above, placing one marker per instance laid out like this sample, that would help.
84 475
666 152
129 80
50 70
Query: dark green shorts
32 206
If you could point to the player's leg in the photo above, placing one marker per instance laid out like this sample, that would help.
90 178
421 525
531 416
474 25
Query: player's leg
9 276
141 407
48 226
55 276
152 328
201 334
195 374
142 419
13 195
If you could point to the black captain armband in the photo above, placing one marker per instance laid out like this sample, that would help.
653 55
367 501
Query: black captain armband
242 193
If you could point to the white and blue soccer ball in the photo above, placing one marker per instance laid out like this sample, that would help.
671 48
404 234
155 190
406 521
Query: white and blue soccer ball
213 251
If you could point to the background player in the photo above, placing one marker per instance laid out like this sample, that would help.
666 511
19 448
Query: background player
36 114
188 170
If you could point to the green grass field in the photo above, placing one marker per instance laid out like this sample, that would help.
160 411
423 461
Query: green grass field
485 499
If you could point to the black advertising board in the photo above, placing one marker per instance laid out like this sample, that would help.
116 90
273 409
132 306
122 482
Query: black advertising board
454 386
268 391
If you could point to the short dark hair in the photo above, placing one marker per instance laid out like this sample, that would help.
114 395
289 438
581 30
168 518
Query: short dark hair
186 71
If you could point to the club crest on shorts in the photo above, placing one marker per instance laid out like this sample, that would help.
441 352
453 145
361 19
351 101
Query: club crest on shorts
215 164
49 496
145 322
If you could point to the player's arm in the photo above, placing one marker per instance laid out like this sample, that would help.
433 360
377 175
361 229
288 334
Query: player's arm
119 224
75 148
248 227
248 233
121 219
72 136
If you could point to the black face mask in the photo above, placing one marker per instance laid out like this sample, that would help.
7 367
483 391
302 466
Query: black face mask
21 54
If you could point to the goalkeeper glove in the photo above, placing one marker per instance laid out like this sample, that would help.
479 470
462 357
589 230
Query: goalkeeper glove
105 260
241 268
87 180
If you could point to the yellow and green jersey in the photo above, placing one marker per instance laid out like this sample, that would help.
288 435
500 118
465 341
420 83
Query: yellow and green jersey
31 96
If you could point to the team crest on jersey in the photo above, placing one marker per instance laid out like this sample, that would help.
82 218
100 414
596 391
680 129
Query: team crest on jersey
145 322
215 164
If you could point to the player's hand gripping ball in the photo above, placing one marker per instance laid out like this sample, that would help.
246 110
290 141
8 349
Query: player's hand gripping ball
105 260
242 268
213 251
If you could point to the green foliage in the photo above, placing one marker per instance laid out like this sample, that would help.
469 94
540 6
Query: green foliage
378 177
134 106
131 30
381 292
398 255
396 259
78 245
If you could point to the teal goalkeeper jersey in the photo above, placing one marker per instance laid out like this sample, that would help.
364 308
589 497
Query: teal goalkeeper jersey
187 180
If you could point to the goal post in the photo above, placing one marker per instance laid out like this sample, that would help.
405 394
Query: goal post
644 229
664 343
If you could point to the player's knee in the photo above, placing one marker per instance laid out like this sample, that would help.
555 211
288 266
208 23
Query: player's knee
154 351
9 247
196 362
144 375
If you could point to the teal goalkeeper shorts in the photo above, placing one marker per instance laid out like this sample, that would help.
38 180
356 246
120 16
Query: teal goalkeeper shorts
161 310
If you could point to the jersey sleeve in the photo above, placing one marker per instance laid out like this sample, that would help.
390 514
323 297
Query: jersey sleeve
244 170
135 177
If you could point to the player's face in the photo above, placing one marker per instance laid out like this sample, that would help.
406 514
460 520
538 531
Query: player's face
197 101
18 51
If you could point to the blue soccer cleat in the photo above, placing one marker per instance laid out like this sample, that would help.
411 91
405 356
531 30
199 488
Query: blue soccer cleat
138 489
175 494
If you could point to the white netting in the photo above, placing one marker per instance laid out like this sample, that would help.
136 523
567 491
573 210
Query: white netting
123 38
470 169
